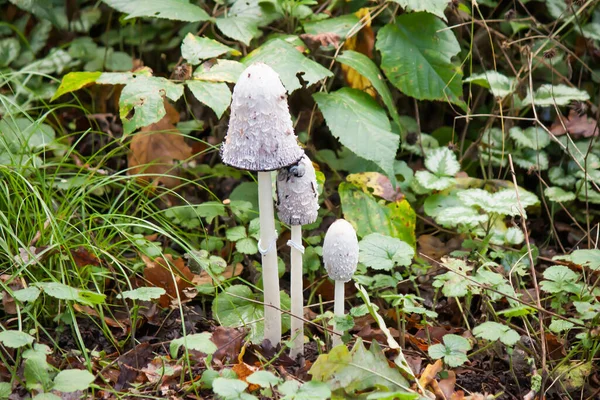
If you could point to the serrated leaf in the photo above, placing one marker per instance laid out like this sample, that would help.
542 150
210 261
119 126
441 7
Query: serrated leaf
453 350
72 380
442 162
246 246
360 124
15 339
222 71
494 331
556 194
241 28
532 159
382 252
560 325
435 7
589 258
503 202
179 10
143 293
195 48
311 390
460 215
428 74
9 51
533 137
514 236
216 95
499 85
263 379
561 95
236 233
287 61
74 81
430 181
230 389
197 341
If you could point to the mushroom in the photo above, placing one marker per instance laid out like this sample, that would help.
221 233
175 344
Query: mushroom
261 138
340 256
297 205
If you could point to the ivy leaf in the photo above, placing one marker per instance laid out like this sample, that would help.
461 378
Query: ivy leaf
500 85
143 293
494 331
428 73
561 95
15 339
558 195
288 62
216 95
360 124
197 341
435 7
453 351
533 137
179 10
72 380
195 48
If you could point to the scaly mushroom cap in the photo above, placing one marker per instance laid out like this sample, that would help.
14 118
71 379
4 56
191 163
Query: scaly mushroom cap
340 251
260 135
297 197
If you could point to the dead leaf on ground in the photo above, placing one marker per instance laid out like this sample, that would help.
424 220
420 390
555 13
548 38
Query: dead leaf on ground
244 370
8 302
113 323
447 385
363 42
430 373
163 372
83 257
377 184
325 39
154 149
170 274
576 125
229 342
204 278
131 363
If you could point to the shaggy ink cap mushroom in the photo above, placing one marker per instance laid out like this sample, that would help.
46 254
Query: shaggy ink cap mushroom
260 136
340 251
297 197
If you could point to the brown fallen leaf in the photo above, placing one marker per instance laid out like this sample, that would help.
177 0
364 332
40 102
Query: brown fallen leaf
447 385
576 125
131 363
170 274
430 373
229 342
154 149
83 257
363 42
204 278
244 370
325 39
8 302
89 311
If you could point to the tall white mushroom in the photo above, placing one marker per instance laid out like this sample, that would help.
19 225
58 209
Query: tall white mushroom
261 138
340 256
297 205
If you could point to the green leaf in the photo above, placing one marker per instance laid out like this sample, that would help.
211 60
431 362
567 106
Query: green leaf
503 202
533 137
430 181
264 379
240 28
561 95
236 233
558 195
428 73
5 390
500 85
237 306
195 48
591 30
9 51
367 68
72 380
231 389
587 258
435 7
311 390
360 124
340 26
367 215
64 292
74 81
494 331
382 252
216 95
556 8
453 350
179 10
143 293
36 373
287 61
442 162
514 235
222 71
560 325
198 341
558 277
15 339
145 96
246 246
21 135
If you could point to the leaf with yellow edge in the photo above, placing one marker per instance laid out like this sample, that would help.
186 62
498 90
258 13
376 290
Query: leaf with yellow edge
363 42
377 184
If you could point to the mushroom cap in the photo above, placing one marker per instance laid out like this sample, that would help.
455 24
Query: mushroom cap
340 251
297 197
260 136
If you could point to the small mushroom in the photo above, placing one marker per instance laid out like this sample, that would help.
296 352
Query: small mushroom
297 205
261 138
340 256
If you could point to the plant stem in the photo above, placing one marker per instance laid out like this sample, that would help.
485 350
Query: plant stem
296 292
269 259
338 309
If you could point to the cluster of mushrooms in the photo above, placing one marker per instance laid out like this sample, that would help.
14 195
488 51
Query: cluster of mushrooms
261 138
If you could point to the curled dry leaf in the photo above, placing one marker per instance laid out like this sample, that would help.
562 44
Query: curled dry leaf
170 274
576 125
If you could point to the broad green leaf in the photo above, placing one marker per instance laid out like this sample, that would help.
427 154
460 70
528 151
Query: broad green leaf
435 7
216 95
494 331
15 339
561 95
340 26
237 307
72 380
360 124
145 97
556 8
311 390
179 10
514 235
27 294
36 373
560 325
442 162
588 258
197 341
530 159
504 202
63 292
240 28
231 389
367 215
533 137
246 246
500 85
264 379
384 252
74 81
453 350
9 51
558 195
367 68
222 71
430 181
262 12
195 49
20 135
460 215
591 30
143 293
428 73
236 233
39 35
56 62
5 390
122 78
287 61
558 277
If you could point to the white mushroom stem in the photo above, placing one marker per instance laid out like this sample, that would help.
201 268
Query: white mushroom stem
296 293
268 250
338 310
